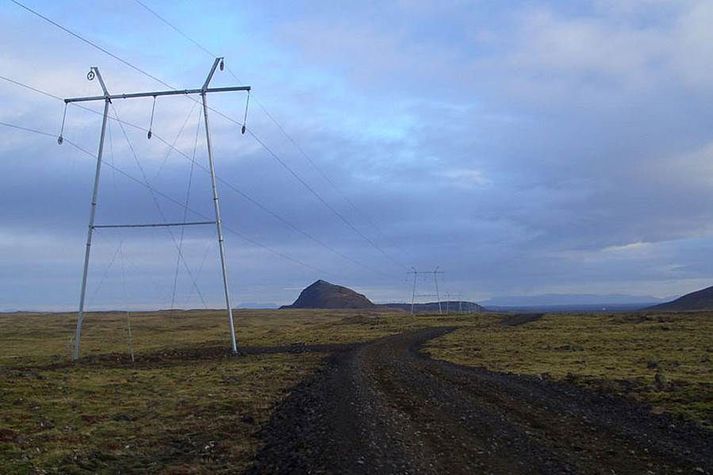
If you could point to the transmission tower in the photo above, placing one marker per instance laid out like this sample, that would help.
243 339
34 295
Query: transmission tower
435 281
108 98
435 273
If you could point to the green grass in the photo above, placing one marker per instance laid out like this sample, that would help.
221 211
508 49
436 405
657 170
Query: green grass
185 407
169 412
622 354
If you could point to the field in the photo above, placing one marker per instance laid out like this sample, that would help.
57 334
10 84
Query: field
186 405
665 360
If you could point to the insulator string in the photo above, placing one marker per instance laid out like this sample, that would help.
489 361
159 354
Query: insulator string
245 117
60 139
153 108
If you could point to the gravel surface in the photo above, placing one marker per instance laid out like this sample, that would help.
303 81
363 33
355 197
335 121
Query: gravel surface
385 408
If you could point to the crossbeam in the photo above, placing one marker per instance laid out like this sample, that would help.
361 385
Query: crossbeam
107 98
172 92
152 225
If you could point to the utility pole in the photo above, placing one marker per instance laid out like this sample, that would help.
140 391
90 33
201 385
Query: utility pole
107 98
435 280
413 291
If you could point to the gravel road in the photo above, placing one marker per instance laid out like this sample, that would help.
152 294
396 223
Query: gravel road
384 408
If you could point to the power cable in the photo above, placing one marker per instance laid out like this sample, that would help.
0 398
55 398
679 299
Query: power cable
261 142
171 199
172 147
279 126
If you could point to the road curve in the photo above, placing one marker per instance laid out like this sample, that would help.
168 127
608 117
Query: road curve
385 408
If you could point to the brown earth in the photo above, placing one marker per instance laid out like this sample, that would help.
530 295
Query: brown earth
383 407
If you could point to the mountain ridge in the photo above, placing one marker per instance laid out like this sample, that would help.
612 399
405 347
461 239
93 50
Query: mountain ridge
698 300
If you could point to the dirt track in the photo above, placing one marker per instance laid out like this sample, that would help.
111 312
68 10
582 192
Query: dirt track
384 408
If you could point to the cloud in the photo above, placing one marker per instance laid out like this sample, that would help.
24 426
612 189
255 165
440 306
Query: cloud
526 147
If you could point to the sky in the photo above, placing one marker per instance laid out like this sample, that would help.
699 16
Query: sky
522 148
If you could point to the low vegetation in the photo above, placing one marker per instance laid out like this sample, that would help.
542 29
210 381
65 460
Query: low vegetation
187 406
665 360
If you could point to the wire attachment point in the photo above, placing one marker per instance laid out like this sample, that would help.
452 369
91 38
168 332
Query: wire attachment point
60 139
153 108
91 75
245 117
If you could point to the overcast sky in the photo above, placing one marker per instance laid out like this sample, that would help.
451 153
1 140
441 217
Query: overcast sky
524 147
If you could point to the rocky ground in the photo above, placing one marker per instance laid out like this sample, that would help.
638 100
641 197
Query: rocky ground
383 407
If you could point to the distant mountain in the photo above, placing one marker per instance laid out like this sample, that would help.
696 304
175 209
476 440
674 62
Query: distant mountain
257 305
572 300
452 306
699 300
578 308
322 294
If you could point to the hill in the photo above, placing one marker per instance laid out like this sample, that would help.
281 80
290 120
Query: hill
432 307
573 301
322 294
699 300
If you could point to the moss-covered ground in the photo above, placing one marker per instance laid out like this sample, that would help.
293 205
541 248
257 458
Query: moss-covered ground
665 360
188 406
185 406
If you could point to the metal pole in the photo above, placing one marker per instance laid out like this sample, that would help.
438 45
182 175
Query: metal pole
413 292
435 279
107 98
218 223
92 213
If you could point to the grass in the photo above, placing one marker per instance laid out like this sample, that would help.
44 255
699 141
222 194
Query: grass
665 360
178 409
186 406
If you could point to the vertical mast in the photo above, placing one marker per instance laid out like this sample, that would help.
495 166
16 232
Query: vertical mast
94 71
218 222
107 98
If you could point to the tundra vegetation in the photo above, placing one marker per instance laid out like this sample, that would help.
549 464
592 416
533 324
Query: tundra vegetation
186 405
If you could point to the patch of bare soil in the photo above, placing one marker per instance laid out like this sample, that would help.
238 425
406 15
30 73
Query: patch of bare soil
520 319
179 356
385 408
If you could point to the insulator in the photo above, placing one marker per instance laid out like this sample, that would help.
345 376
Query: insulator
153 108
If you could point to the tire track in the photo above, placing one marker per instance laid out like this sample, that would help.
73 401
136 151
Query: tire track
385 408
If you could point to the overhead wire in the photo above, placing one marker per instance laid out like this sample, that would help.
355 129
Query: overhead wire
282 130
172 200
231 186
158 207
185 211
230 119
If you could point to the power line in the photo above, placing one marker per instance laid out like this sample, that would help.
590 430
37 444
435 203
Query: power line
160 212
169 198
282 130
203 167
175 28
89 42
230 119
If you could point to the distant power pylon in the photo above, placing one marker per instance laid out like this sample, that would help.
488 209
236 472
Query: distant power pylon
449 296
435 273
108 98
